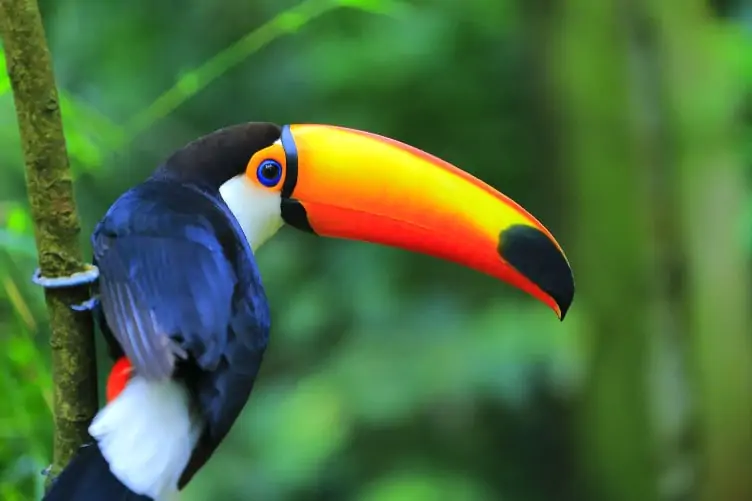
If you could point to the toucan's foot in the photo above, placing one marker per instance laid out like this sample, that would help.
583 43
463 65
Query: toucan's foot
88 276
46 471
87 305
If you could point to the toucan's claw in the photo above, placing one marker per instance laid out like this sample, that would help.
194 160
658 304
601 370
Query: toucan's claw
46 472
87 305
88 276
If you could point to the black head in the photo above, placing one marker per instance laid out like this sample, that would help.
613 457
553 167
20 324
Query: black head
215 158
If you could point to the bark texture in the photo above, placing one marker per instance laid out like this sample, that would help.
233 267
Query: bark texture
56 222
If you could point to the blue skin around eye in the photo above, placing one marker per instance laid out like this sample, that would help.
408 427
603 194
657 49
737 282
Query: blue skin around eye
269 182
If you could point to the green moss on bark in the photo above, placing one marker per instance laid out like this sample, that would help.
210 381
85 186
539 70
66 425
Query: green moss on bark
56 222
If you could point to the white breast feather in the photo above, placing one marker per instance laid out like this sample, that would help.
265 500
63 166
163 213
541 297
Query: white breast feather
147 435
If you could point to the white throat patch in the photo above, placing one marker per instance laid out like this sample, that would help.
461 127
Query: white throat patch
256 209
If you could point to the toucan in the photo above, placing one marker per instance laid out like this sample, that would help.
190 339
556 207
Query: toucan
182 305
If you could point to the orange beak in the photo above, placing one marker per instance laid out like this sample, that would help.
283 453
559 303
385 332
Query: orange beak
350 184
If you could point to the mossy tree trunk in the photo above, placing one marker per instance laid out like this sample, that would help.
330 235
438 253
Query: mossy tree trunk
56 222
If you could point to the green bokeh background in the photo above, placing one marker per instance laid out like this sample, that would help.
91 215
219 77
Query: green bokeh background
624 126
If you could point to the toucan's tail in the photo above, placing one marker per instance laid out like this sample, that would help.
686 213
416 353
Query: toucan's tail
88 478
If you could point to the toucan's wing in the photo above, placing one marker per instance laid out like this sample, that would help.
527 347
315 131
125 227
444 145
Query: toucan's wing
161 295
166 286
177 277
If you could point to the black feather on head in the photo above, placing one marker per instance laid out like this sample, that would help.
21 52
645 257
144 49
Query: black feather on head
215 158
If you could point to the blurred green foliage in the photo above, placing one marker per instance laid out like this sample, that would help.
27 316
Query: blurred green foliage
390 376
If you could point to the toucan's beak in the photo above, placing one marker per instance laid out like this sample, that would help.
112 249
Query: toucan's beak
351 184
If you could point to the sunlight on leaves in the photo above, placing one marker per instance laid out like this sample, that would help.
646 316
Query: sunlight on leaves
18 220
4 80
16 236
291 21
89 135
377 6
425 486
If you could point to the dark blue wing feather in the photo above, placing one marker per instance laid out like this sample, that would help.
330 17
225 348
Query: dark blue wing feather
178 280
165 283
156 291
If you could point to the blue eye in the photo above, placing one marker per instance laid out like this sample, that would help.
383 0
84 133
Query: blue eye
269 173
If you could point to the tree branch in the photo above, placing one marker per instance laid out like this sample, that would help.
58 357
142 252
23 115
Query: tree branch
57 227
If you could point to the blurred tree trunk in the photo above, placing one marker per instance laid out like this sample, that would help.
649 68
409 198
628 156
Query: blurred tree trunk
613 254
56 222
704 97
651 119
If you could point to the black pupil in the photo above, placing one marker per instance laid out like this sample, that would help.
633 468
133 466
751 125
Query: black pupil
270 170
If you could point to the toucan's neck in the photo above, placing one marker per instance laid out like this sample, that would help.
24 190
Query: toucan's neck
256 210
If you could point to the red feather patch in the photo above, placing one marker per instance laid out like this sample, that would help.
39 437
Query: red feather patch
119 377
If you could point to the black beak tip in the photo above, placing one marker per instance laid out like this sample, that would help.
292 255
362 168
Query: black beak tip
564 305
534 255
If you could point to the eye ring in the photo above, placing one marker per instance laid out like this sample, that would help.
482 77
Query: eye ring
269 173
